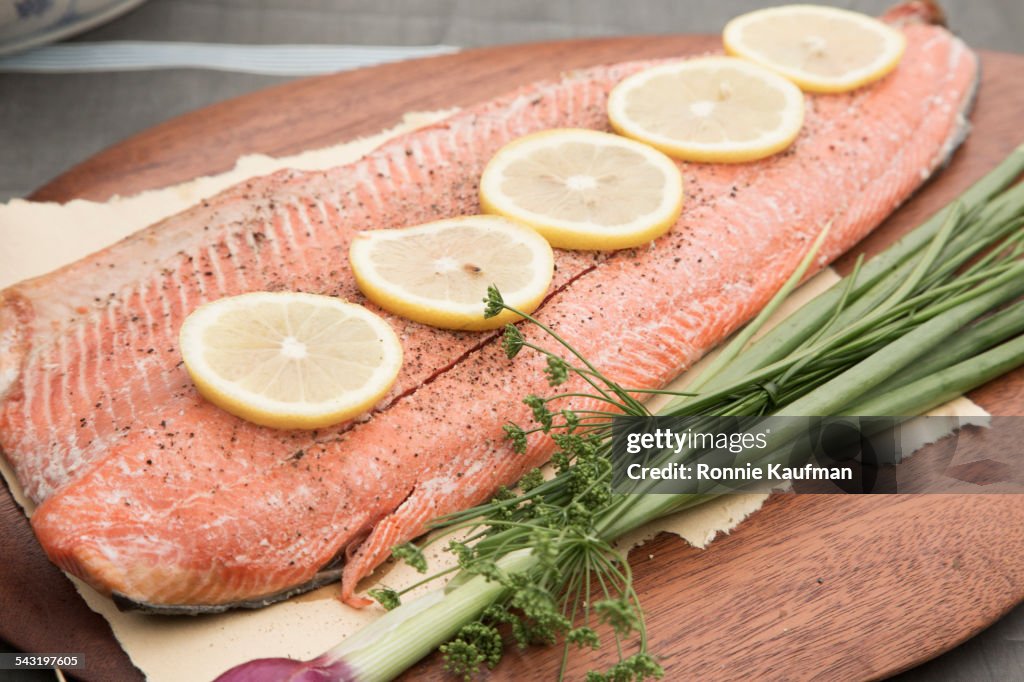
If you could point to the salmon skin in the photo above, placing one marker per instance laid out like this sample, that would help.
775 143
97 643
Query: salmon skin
150 493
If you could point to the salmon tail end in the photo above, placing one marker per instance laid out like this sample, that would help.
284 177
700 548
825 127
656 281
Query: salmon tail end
347 594
916 12
15 330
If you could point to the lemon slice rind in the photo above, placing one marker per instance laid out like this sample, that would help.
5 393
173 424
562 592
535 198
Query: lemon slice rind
893 44
729 151
410 303
583 235
263 409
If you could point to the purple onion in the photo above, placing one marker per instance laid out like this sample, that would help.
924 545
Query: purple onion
319 669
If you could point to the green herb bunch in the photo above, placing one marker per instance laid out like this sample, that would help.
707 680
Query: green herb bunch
903 333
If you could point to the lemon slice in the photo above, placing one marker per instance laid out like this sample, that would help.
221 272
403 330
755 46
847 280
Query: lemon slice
290 360
438 273
821 49
584 189
711 109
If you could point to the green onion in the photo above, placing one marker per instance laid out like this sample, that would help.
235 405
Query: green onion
883 270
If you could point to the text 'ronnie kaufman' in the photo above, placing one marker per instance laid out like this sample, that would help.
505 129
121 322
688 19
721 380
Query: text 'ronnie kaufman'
748 472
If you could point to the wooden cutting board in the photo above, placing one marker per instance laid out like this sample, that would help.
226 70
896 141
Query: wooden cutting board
851 587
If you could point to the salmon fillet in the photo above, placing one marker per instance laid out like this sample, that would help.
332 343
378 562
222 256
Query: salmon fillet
147 491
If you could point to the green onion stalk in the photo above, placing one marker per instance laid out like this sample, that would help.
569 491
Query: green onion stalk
929 319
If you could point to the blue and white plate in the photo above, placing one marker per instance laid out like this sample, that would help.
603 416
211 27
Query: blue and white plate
29 23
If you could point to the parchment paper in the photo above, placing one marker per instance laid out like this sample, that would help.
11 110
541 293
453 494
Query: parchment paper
36 238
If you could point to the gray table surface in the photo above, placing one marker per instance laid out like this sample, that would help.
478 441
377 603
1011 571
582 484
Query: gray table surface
49 122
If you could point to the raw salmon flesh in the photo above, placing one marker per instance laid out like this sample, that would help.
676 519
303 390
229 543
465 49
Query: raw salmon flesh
152 494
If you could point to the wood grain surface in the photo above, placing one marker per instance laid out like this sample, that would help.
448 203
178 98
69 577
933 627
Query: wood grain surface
851 587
